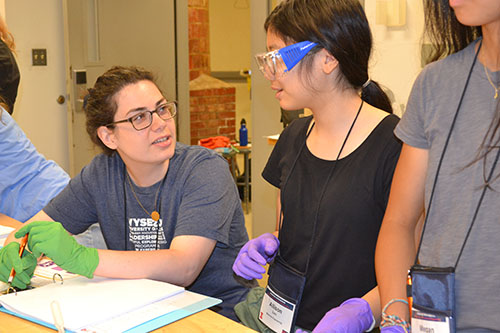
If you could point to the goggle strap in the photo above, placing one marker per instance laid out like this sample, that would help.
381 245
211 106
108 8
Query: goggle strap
292 54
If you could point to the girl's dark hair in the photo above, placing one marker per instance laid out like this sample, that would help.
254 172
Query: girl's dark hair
100 104
4 105
446 34
341 28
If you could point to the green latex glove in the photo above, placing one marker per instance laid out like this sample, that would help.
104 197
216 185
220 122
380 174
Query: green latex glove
51 239
24 267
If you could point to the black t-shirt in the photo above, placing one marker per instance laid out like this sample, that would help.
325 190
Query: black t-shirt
9 76
349 218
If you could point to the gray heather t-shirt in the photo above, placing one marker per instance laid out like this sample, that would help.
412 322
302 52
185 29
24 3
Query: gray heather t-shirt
199 197
431 107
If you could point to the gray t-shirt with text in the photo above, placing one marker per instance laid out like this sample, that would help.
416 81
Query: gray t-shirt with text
198 197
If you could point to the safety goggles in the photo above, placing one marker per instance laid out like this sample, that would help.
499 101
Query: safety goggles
276 63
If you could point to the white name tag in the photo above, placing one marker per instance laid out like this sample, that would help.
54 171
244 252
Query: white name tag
426 322
276 312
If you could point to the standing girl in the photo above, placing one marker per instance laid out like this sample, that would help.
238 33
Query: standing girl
448 168
333 170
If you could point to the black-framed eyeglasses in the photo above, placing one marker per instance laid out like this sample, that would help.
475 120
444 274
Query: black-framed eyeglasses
144 119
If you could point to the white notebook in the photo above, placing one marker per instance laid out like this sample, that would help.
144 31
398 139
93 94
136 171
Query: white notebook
86 302
4 233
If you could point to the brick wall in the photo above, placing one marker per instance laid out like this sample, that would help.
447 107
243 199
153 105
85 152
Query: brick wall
199 38
213 111
212 102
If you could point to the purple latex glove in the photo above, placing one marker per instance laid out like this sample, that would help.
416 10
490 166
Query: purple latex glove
255 254
392 329
354 315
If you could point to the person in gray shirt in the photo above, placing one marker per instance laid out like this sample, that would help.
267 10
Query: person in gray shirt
444 169
167 211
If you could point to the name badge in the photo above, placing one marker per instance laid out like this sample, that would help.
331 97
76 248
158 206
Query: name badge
276 312
427 322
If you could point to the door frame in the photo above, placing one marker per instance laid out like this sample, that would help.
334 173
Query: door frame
181 77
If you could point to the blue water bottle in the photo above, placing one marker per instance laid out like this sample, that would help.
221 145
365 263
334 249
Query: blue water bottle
243 133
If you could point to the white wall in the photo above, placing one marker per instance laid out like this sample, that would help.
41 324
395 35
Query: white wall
230 49
395 60
39 24
229 35
265 116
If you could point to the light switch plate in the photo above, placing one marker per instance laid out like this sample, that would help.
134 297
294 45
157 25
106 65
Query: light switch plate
39 57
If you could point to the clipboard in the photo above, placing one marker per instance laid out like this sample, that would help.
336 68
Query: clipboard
163 304
188 303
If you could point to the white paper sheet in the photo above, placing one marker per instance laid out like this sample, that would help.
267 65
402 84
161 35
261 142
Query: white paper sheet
147 313
4 233
86 302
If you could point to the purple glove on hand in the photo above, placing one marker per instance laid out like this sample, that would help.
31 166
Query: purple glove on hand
354 315
392 329
254 255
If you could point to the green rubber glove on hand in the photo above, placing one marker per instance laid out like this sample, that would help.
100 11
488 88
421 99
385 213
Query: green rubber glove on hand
51 239
24 267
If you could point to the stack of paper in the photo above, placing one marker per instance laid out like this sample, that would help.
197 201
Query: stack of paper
47 272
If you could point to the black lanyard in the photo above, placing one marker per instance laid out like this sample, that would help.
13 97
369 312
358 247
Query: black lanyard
439 168
332 170
125 207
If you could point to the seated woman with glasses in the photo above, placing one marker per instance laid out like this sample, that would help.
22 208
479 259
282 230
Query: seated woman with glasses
333 171
167 211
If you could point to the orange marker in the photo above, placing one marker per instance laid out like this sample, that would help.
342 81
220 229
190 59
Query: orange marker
23 244
409 292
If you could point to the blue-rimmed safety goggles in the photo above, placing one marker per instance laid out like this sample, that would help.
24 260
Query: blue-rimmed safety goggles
276 63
